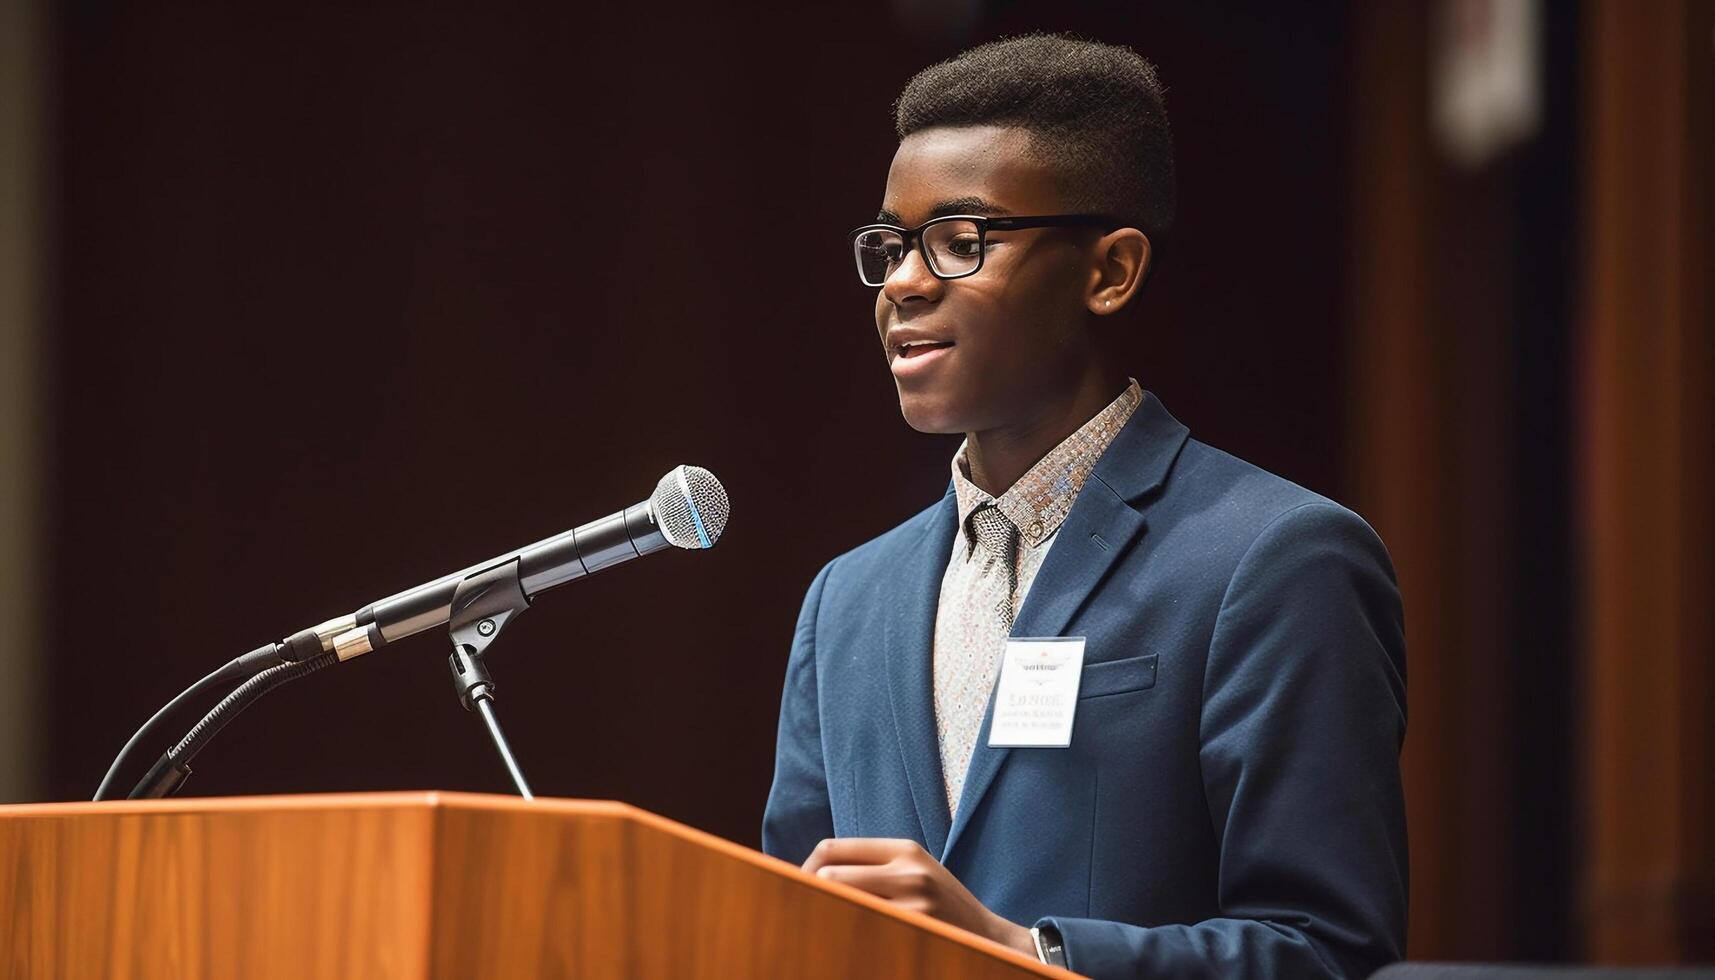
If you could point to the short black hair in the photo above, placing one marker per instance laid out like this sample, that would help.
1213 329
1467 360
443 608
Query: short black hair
1096 111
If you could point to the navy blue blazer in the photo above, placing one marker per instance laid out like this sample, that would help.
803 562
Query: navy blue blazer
1230 805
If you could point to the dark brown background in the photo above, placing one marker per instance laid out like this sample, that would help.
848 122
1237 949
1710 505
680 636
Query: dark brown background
354 300
347 299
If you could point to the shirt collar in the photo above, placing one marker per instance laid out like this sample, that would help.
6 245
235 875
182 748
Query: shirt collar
1038 503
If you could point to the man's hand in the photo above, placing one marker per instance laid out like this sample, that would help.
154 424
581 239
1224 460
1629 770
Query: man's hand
904 874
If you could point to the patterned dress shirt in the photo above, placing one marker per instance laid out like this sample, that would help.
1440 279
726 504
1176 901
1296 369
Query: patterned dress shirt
970 634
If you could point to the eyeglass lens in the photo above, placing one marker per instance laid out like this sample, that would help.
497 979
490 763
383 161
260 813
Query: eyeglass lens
952 248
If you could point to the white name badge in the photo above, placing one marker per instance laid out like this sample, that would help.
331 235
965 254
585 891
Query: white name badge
1037 694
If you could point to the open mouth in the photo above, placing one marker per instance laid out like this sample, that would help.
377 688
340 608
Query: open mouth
917 348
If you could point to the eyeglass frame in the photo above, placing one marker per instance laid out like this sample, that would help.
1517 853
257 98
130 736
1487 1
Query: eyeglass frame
985 224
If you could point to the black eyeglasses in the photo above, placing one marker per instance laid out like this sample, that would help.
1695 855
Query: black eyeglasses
953 246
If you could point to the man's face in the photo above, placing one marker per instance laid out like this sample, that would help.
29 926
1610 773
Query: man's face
1016 331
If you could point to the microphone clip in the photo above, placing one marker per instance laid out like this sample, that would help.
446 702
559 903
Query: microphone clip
482 606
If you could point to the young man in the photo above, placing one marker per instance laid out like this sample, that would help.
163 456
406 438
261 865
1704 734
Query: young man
1229 801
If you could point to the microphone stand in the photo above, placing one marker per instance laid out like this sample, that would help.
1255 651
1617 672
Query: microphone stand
482 606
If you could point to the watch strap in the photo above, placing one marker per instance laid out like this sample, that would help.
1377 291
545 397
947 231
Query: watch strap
1050 948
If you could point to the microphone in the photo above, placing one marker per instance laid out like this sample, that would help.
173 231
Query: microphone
688 510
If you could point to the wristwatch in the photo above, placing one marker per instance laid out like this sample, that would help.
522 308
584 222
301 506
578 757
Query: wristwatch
1050 949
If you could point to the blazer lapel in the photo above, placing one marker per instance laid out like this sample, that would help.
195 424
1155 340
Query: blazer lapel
1103 524
910 642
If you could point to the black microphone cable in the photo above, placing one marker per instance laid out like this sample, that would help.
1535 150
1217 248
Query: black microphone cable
244 666
299 647
174 765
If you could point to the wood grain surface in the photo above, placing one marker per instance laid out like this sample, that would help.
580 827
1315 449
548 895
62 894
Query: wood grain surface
435 884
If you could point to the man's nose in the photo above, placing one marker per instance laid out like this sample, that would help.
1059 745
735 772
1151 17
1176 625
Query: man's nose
911 279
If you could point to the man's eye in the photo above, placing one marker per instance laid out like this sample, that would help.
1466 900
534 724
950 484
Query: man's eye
965 246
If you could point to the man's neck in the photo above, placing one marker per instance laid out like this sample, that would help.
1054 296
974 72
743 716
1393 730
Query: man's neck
999 457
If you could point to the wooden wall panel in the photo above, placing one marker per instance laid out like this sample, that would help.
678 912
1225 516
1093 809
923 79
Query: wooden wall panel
1400 431
1649 752
24 275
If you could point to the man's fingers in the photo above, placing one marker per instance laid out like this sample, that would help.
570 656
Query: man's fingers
881 880
857 850
902 873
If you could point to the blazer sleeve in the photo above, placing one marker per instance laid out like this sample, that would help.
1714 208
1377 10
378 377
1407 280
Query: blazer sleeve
1303 718
798 815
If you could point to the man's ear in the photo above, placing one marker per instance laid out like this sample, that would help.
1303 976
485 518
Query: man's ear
1122 263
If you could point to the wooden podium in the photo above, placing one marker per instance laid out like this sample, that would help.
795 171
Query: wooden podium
435 885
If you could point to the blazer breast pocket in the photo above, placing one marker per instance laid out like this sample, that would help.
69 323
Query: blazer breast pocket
1117 677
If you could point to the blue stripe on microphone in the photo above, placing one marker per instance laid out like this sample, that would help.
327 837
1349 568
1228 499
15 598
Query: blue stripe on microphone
697 519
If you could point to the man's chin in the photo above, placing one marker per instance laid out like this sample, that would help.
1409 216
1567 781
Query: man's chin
931 416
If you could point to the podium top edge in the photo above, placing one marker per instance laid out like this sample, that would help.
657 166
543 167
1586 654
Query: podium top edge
407 800
442 801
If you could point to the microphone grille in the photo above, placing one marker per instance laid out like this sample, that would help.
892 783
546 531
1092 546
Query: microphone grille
690 507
